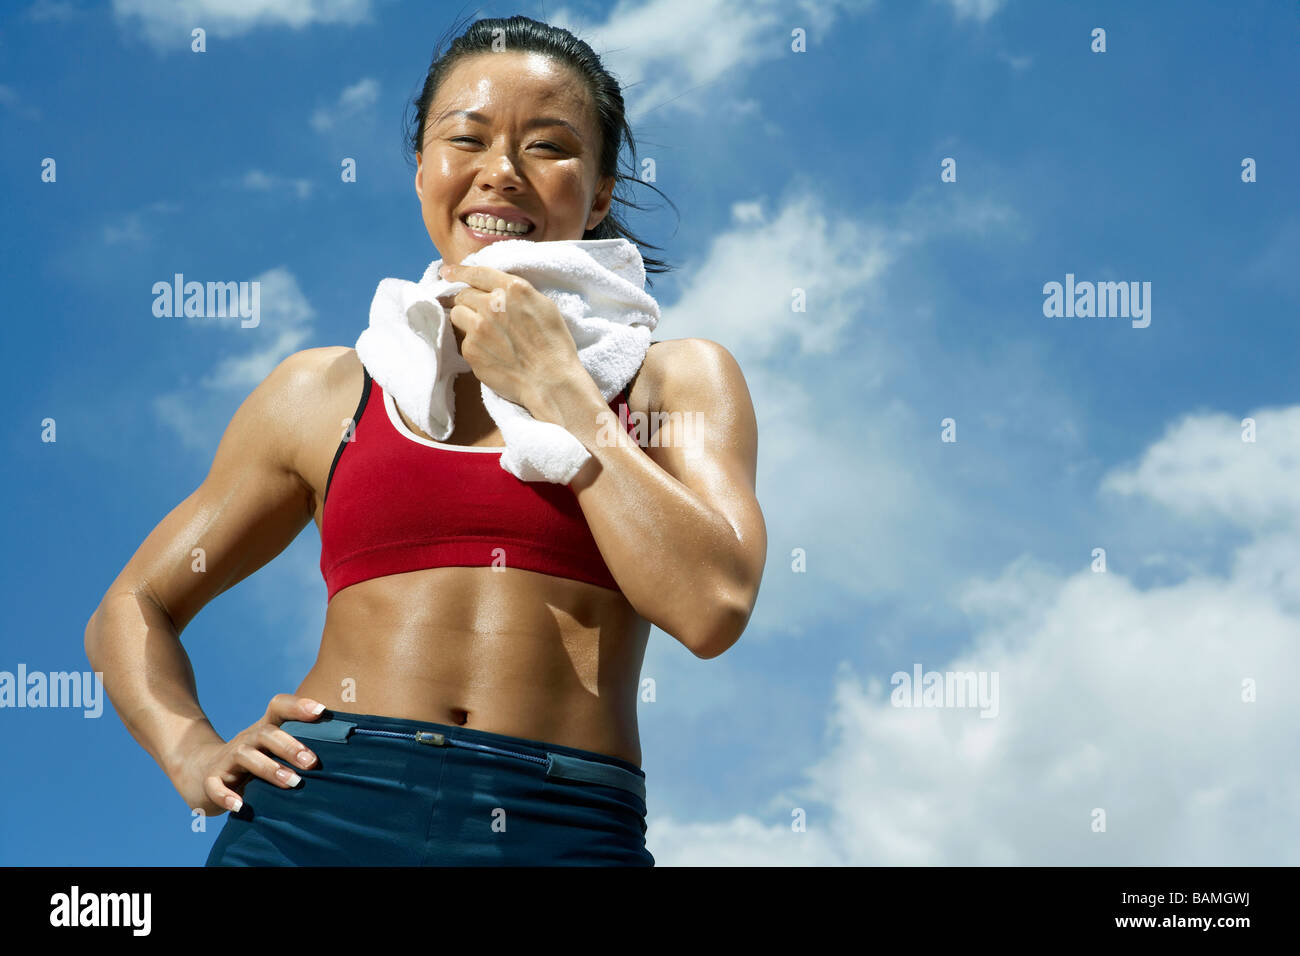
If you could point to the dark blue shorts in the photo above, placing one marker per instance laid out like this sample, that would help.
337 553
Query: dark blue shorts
385 791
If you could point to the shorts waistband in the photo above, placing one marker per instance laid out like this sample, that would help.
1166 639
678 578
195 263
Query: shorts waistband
571 763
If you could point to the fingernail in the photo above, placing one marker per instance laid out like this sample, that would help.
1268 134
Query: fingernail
289 777
304 758
234 803
316 708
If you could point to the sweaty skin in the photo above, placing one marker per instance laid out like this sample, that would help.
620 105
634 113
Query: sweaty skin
512 652
508 651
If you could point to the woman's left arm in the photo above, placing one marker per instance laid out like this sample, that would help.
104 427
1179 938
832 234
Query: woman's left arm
677 522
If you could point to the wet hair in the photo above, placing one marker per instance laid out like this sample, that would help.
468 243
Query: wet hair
524 35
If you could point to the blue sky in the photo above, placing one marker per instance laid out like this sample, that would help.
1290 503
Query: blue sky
1119 690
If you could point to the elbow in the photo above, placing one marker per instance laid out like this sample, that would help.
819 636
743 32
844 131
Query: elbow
727 622
91 636
734 594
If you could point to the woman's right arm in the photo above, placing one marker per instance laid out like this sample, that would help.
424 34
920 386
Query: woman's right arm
248 509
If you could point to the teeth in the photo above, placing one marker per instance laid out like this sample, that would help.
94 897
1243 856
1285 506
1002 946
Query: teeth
492 224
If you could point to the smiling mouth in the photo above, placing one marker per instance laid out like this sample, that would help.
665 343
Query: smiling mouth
488 227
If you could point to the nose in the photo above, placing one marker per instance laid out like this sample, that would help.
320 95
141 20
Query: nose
499 168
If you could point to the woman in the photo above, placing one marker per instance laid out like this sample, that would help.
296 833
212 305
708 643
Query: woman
474 699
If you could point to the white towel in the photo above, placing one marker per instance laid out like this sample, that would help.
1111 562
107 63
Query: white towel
410 347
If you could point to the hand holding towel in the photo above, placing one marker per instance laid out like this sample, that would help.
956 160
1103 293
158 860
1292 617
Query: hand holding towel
410 349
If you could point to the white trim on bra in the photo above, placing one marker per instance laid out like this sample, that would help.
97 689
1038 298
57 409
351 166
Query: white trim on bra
391 407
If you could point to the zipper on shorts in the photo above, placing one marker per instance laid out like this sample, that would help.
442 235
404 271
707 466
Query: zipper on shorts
442 740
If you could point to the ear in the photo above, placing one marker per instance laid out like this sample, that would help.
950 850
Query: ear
419 175
600 205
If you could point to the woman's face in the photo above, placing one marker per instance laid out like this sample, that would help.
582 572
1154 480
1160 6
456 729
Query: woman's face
515 155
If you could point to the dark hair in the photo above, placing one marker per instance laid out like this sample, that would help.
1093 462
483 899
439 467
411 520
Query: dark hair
526 35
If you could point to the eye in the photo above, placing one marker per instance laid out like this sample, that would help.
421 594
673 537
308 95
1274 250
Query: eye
471 139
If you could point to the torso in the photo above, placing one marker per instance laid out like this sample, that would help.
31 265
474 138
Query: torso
511 652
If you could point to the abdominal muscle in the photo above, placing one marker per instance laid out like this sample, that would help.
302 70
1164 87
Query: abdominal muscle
505 651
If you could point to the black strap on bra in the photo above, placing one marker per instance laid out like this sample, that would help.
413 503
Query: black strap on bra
356 418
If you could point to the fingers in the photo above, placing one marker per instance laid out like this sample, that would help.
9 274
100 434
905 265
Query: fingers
287 747
220 794
291 707
464 318
244 753
260 765
470 297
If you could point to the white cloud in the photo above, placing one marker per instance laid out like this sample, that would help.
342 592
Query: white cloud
289 591
1018 63
136 226
1201 469
742 291
812 458
662 51
286 318
816 452
947 210
357 98
128 229
181 412
981 10
741 841
1111 697
673 54
200 413
847 469
167 23
259 181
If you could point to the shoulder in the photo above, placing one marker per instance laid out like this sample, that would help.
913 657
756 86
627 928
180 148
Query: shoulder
687 369
690 353
312 368
308 391
698 382
702 428
301 410
313 378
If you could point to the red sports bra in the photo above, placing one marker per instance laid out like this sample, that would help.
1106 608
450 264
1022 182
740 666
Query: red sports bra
398 502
